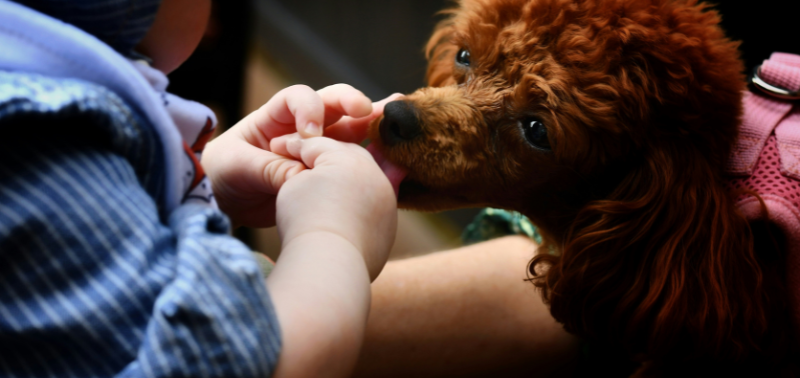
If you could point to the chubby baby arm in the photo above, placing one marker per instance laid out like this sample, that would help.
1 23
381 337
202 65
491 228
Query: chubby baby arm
337 222
337 219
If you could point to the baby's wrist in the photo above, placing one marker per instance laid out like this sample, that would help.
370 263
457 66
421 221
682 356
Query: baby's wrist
327 241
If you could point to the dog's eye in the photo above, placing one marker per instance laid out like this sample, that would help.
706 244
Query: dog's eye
462 57
535 133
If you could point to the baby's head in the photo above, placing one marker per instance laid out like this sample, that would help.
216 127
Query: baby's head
176 32
166 31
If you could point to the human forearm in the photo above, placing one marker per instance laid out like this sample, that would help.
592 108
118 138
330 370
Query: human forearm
321 293
462 313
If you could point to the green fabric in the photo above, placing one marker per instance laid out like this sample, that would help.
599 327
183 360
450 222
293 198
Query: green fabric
494 223
264 263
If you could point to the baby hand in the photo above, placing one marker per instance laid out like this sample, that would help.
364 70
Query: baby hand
246 175
344 193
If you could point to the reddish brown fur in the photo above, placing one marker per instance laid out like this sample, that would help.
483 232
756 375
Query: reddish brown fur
641 99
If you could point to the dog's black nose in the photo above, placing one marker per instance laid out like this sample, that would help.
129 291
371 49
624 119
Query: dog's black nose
400 123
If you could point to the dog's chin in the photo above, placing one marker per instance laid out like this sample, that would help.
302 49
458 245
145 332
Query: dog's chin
415 195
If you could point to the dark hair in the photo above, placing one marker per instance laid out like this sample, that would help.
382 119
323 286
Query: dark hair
119 23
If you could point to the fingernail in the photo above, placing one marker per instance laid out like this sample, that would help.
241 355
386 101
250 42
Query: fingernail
313 129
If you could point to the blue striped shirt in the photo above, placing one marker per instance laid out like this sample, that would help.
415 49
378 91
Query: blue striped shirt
96 279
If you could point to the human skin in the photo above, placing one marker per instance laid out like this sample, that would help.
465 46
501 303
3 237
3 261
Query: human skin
177 30
246 182
463 313
335 212
337 222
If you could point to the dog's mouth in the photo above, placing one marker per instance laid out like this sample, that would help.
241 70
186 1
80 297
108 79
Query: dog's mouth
411 193
393 172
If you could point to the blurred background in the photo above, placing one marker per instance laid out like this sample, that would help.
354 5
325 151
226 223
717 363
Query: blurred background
254 48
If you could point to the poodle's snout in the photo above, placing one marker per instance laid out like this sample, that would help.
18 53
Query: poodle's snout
400 123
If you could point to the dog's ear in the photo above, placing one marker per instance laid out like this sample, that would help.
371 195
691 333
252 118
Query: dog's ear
441 52
665 263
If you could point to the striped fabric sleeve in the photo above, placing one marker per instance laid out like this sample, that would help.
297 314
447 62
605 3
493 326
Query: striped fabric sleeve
94 284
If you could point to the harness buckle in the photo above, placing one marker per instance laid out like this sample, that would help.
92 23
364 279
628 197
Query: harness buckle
769 89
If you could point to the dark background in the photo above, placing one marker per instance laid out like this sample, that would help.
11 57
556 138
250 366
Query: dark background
377 46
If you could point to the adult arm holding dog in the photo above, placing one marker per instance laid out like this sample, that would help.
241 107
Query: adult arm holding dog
466 312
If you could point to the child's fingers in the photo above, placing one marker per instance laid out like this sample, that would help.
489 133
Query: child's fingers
311 150
344 100
259 171
296 108
354 130
278 145
277 170
246 182
247 191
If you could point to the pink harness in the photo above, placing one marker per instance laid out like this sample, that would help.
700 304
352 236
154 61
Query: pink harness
766 158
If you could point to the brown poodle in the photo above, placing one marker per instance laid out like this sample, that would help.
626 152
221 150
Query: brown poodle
607 123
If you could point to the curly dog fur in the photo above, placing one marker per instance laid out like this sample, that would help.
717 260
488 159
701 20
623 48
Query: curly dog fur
640 102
